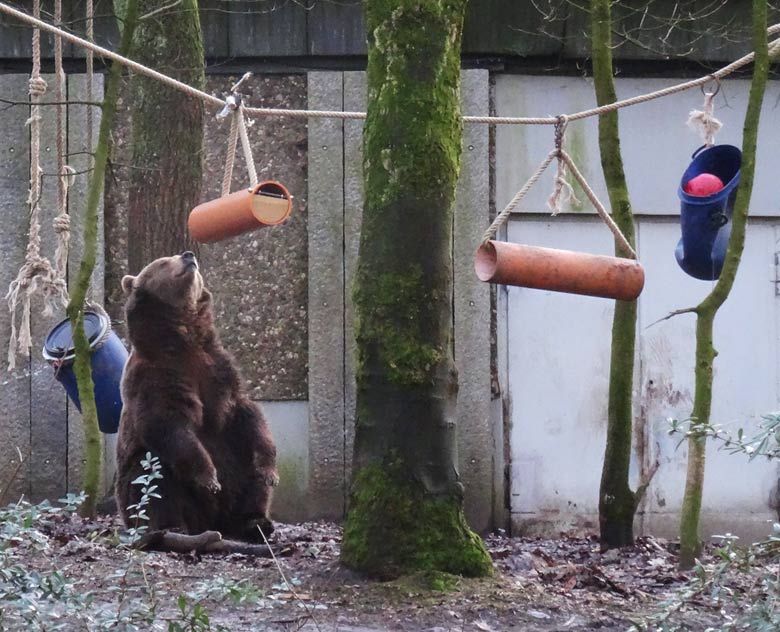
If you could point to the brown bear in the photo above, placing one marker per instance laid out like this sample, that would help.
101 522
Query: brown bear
185 403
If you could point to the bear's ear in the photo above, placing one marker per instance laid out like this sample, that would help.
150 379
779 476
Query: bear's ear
127 284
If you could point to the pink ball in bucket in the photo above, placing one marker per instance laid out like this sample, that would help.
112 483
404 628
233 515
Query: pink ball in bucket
703 185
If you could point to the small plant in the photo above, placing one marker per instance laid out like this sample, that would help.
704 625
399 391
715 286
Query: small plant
766 442
153 469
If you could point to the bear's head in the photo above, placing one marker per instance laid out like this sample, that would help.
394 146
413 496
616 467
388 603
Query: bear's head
168 303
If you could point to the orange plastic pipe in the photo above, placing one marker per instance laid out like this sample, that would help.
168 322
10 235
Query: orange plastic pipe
266 204
559 270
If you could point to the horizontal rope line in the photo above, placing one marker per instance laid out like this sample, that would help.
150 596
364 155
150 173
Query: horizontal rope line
487 120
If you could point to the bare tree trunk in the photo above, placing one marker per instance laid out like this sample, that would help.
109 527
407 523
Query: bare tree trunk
406 505
617 502
82 366
167 133
706 310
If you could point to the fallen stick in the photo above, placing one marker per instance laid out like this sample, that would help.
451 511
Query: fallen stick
206 542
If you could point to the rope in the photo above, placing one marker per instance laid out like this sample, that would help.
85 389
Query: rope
563 193
233 107
774 49
61 221
554 202
230 159
36 273
246 146
703 121
501 218
619 237
90 15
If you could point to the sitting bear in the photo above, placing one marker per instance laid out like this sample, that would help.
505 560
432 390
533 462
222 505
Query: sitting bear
185 403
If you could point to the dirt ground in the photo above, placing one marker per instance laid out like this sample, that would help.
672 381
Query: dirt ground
539 585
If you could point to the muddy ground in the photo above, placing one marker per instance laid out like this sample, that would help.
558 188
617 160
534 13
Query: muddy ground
565 584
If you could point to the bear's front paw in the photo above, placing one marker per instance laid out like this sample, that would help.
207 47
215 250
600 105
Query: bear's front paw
211 483
270 479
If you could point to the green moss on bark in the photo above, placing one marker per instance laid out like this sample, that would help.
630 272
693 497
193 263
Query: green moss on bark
395 527
399 306
617 502
408 516
82 366
706 310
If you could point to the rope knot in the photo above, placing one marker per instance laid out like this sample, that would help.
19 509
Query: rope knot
561 121
703 121
37 86
61 223
563 193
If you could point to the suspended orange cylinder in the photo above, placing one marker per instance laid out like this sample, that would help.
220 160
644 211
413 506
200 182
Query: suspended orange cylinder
266 204
559 270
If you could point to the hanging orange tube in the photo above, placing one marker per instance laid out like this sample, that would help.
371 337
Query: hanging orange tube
266 204
559 270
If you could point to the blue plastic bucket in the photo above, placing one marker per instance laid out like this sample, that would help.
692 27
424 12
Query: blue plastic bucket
108 361
705 221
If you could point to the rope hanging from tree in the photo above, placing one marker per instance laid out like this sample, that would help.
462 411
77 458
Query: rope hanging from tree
37 275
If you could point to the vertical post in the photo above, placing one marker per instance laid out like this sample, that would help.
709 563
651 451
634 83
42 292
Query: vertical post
326 299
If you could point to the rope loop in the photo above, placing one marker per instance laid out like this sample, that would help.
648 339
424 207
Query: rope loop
37 86
704 88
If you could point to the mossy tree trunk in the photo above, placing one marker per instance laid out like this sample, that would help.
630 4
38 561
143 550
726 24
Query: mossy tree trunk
706 310
82 364
406 507
167 141
617 502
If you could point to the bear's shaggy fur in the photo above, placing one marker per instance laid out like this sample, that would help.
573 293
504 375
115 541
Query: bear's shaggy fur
184 402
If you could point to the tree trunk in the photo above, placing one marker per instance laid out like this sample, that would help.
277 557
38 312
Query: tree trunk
82 365
406 505
706 310
617 503
167 140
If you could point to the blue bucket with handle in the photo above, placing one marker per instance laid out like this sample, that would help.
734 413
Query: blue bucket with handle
108 359
705 221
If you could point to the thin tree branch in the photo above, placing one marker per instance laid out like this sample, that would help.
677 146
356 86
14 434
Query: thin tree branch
677 312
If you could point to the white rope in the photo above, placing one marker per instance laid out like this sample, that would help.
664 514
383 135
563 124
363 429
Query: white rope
230 158
61 221
619 236
501 218
36 275
563 193
703 121
246 146
774 49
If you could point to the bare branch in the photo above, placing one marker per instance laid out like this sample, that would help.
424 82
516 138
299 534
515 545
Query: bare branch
677 312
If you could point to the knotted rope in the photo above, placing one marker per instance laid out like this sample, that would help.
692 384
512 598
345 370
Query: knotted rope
36 275
563 193
703 121
62 220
